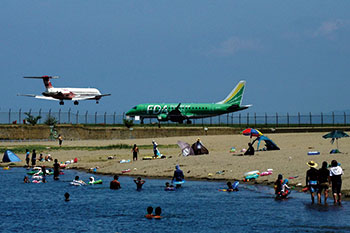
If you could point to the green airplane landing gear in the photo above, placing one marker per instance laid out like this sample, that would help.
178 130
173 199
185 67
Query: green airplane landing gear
188 122
141 121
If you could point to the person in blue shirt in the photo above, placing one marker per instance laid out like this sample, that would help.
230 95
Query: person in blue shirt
178 175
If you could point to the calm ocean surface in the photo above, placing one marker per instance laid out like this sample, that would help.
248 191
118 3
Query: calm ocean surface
197 207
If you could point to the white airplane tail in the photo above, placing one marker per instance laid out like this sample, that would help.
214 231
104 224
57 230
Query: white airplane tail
46 80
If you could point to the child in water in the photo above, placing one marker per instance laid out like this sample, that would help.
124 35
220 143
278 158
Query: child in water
139 182
149 214
26 179
66 196
169 187
157 212
278 184
285 188
234 187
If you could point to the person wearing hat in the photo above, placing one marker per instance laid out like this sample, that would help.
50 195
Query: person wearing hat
311 179
335 173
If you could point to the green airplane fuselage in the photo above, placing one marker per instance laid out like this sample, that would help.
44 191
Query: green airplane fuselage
167 111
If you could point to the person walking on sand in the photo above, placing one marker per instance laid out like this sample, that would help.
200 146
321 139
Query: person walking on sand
135 151
311 179
323 182
33 158
60 140
335 173
27 157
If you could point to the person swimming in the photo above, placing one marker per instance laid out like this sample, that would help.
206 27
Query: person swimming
66 196
26 179
149 214
76 181
169 187
157 212
139 182
234 187
91 180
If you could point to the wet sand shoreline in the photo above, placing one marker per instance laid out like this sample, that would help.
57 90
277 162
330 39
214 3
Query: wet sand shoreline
290 160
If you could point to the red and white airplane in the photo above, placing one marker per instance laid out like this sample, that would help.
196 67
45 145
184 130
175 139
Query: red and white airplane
61 94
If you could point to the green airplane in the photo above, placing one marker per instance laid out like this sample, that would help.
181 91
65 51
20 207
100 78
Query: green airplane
178 112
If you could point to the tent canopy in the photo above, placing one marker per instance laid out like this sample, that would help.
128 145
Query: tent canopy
9 156
270 145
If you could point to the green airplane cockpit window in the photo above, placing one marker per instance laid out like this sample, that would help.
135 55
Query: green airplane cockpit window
134 107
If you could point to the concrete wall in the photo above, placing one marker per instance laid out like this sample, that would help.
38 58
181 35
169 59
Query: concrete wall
80 132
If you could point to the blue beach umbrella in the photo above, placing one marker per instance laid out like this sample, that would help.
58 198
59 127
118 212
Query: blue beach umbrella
335 134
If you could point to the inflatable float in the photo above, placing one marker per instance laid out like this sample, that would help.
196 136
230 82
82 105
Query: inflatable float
251 173
124 161
125 171
96 182
77 183
147 158
251 177
313 153
178 182
170 189
267 173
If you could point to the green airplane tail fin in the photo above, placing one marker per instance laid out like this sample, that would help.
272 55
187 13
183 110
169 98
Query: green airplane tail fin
236 95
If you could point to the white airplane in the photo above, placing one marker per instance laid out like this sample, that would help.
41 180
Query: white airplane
60 94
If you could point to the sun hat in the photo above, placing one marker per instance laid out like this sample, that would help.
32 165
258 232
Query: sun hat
312 164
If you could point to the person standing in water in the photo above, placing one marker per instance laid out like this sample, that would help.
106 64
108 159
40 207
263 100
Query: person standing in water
335 172
56 170
135 151
311 179
323 182
178 175
139 182
115 183
27 157
33 158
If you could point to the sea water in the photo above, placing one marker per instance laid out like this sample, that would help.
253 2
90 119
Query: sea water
197 207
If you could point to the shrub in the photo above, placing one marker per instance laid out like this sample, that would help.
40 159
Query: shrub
32 119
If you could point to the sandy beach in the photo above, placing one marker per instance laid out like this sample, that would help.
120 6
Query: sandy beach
290 160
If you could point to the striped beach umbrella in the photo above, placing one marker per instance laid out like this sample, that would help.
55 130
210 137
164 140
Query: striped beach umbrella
252 132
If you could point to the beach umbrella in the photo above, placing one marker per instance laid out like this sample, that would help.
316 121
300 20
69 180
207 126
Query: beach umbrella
335 134
252 132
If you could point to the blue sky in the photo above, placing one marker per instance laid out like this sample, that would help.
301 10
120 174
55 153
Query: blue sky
294 55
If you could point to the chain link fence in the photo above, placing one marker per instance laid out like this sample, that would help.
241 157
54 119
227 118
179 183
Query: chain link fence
232 119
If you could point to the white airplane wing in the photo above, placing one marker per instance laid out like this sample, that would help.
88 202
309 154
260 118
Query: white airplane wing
96 97
39 97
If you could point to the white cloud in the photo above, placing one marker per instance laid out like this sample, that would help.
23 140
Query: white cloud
329 28
234 44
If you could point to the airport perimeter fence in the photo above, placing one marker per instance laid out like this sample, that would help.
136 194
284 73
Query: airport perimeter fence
232 119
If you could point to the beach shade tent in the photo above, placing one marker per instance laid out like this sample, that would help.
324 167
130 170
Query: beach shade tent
199 151
185 148
335 134
251 132
270 145
9 156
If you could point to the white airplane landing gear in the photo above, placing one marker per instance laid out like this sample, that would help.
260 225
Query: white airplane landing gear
61 102
76 102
